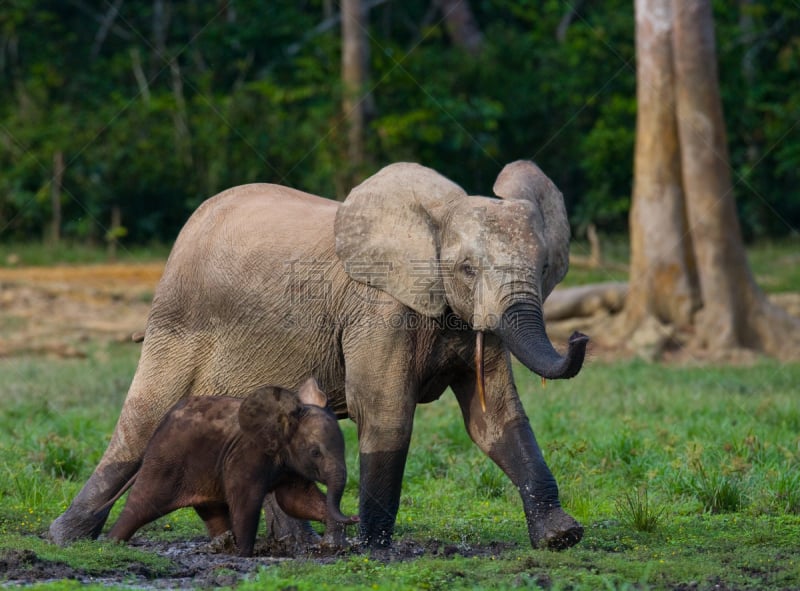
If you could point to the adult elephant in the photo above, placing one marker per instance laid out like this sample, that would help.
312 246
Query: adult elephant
381 298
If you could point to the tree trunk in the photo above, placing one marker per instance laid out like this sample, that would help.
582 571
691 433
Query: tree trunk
462 28
105 27
114 233
180 116
662 279
54 236
161 18
688 264
354 54
735 312
724 275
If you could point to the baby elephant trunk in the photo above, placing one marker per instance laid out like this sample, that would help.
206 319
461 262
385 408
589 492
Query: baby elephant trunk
334 497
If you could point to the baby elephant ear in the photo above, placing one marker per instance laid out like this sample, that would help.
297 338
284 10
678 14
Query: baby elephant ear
269 417
311 394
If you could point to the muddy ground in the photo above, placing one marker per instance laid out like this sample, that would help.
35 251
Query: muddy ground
199 564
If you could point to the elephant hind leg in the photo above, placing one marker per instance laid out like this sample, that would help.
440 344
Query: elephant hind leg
140 509
152 393
216 517
85 516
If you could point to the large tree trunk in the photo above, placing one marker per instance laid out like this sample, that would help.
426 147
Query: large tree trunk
663 283
735 312
725 277
688 264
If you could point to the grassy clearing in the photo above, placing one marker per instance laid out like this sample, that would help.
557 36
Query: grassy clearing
684 478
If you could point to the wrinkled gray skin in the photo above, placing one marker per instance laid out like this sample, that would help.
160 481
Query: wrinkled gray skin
379 298
222 455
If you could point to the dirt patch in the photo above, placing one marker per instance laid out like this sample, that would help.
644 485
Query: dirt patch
62 310
200 564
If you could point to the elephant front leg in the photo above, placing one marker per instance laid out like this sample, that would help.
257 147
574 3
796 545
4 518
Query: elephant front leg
381 482
381 398
518 454
216 517
504 433
303 499
384 434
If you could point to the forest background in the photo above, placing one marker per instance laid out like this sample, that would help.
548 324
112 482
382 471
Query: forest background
125 115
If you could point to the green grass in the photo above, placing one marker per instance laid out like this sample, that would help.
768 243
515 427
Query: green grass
717 450
42 254
776 264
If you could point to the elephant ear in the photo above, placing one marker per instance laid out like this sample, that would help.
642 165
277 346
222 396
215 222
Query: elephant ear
387 233
311 394
524 180
269 417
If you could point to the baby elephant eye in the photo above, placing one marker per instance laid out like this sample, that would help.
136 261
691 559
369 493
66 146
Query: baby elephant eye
316 452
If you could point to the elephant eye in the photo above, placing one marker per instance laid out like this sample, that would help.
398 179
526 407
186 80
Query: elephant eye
316 452
468 269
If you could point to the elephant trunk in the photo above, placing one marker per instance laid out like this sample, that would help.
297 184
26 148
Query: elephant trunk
334 497
522 330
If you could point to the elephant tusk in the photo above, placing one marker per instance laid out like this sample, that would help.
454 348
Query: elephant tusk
479 370
544 382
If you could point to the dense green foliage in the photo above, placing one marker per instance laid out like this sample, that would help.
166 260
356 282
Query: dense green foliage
161 110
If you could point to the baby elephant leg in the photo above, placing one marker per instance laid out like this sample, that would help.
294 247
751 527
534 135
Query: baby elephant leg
303 499
216 517
245 511
140 509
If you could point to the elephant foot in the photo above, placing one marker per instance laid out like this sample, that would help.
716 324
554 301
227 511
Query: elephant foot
76 523
224 543
286 535
87 513
555 530
382 539
334 537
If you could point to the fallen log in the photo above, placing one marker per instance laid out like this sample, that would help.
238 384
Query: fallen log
585 300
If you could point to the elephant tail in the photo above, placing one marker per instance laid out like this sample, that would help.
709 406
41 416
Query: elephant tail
106 506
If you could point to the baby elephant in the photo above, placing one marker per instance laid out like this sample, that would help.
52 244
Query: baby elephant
222 455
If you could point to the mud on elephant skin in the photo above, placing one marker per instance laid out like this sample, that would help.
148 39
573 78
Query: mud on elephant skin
222 455
407 287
